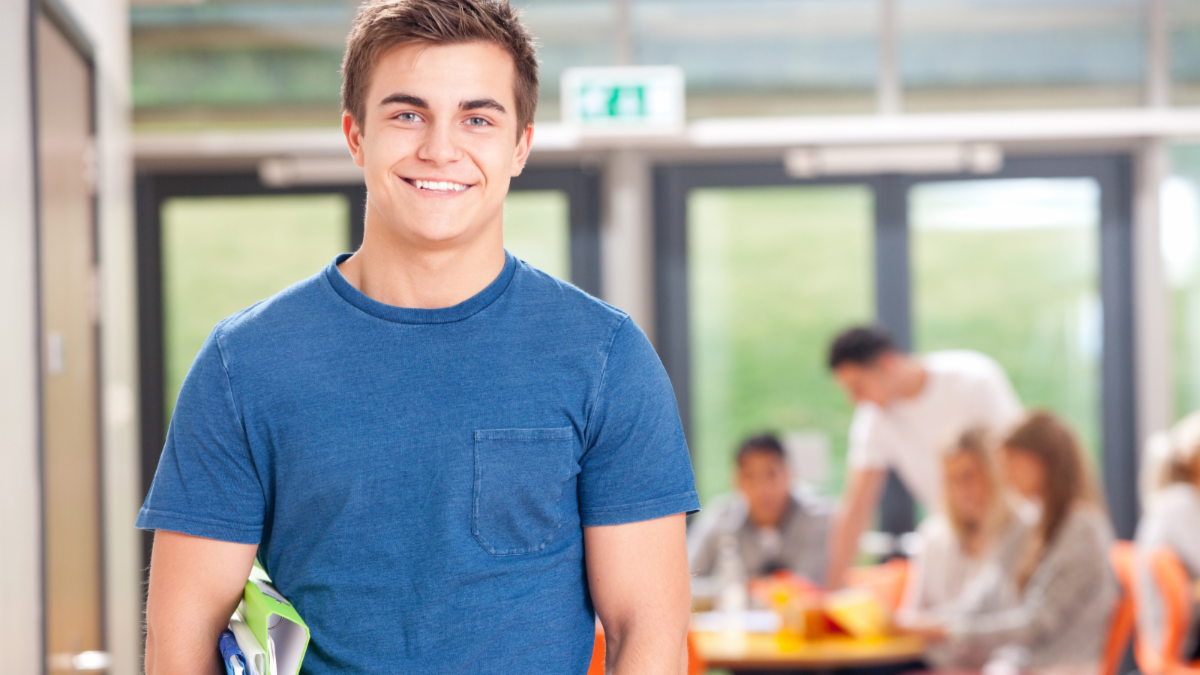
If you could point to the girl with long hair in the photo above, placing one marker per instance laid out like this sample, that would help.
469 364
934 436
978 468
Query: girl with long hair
979 534
1051 612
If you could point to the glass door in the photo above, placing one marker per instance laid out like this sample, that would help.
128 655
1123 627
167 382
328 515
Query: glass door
1011 268
537 230
756 272
773 273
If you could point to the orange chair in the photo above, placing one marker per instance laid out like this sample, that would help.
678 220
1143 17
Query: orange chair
696 665
1121 629
1123 558
885 580
597 665
1171 580
1174 587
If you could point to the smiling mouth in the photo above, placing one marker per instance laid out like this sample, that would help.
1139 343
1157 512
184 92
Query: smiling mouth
442 186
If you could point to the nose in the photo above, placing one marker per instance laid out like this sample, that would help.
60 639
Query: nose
438 146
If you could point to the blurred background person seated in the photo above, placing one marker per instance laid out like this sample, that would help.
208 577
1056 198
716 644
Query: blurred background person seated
969 546
1172 520
773 526
1051 612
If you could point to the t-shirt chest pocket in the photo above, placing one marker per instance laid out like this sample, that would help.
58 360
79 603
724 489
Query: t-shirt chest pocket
518 487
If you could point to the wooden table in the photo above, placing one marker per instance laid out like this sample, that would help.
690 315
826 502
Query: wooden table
767 652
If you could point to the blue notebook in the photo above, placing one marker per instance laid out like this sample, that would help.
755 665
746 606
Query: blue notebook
231 654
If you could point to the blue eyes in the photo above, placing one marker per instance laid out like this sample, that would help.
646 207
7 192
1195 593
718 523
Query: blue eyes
470 121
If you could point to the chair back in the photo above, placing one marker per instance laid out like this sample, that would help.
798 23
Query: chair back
597 665
1121 628
1174 588
696 664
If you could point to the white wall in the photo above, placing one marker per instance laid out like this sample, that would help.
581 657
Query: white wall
20 480
1155 386
627 239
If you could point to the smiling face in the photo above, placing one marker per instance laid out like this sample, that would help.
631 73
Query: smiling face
438 144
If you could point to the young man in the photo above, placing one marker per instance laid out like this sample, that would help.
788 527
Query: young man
774 528
908 409
445 459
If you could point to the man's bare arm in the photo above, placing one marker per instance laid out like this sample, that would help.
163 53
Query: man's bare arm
195 584
638 577
861 499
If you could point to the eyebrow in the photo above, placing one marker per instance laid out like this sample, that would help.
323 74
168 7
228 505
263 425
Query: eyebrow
406 99
418 102
480 103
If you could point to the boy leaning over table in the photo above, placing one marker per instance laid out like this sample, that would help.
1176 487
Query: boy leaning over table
448 461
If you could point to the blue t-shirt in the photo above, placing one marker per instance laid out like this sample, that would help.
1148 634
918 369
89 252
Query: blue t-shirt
417 480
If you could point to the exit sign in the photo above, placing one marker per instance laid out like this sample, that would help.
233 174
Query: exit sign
635 100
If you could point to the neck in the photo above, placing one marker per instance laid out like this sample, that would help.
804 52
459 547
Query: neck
423 275
913 377
977 535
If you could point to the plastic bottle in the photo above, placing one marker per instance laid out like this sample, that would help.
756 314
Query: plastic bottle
732 596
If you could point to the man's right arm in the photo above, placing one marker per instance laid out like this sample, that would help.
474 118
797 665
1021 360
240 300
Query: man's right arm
195 585
861 499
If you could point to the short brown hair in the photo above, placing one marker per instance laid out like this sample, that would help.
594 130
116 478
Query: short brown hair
384 24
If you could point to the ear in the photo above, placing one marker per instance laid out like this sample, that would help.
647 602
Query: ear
354 138
521 154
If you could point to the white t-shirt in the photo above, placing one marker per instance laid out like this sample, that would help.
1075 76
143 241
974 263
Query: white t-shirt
964 390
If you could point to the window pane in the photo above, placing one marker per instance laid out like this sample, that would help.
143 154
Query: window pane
570 33
223 254
977 54
764 57
1180 242
537 229
1010 268
773 274
1184 17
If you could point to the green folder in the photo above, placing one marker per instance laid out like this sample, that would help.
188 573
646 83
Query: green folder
275 624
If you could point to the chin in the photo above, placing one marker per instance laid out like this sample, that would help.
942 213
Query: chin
438 229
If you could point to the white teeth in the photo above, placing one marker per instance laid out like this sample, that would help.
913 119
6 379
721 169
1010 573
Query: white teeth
440 185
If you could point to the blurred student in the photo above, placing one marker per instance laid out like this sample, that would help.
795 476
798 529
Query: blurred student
774 528
1172 519
969 545
907 408
1051 612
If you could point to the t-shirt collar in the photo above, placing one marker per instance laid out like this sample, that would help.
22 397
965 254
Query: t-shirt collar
462 310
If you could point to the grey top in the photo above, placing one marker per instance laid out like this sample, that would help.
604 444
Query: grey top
941 574
798 544
1172 519
1061 620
